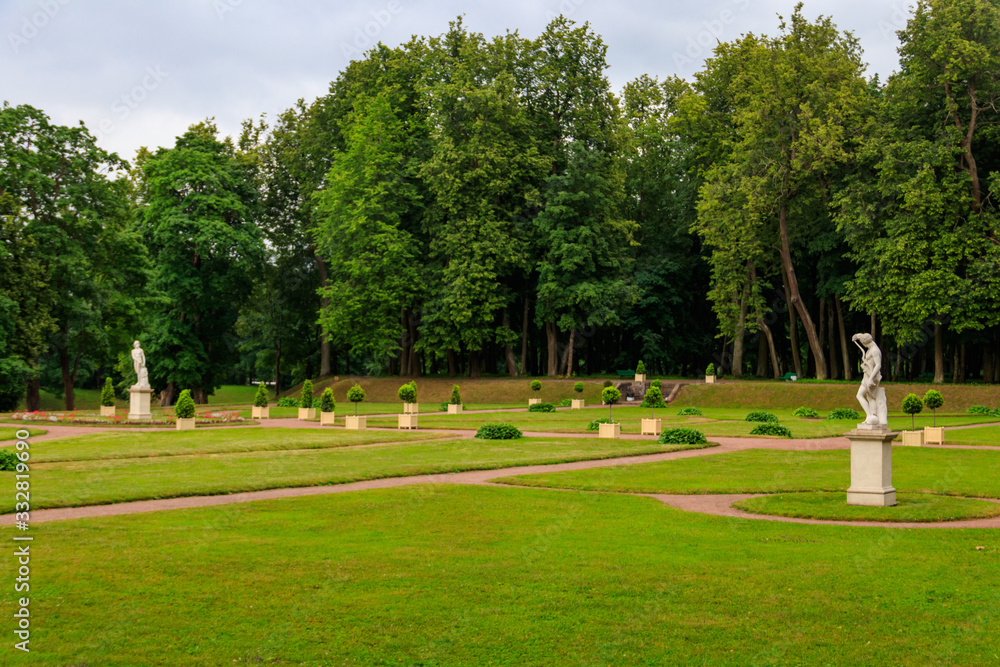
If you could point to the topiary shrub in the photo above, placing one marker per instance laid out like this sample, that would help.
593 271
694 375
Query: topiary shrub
456 398
306 401
912 405
408 392
498 431
979 410
934 400
710 369
542 407
608 383
770 428
656 383
566 403
108 394
536 386
652 399
761 416
260 399
610 395
682 436
596 424
288 402
326 402
8 459
843 413
185 405
805 412
356 395
578 387
640 368
689 412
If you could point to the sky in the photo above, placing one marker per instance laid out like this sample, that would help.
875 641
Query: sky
138 73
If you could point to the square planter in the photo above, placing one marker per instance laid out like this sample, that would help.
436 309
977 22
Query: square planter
327 418
609 431
407 421
640 377
454 409
934 435
651 426
578 404
260 413
185 424
307 413
107 411
410 408
358 423
534 401
709 379
913 438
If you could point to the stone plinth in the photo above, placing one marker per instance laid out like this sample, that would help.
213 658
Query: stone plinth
138 404
871 468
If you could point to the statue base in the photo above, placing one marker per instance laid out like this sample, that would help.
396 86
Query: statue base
138 404
871 467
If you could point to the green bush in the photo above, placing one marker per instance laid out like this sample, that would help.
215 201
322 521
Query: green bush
770 428
356 395
108 394
566 403
995 412
761 416
653 398
307 395
979 410
608 383
682 436
260 399
805 412
8 459
710 369
912 405
542 407
656 383
689 412
536 386
611 395
408 392
596 424
456 398
843 413
498 431
185 405
288 402
640 368
578 387
326 402
933 400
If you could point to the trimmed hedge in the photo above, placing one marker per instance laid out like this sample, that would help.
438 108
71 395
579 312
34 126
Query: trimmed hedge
682 436
761 416
542 407
805 412
770 428
498 431
843 413
689 412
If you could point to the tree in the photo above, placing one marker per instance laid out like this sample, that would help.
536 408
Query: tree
933 400
610 395
12 369
912 405
356 395
652 399
306 400
326 402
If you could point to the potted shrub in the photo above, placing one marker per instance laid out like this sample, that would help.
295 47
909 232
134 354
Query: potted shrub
108 399
710 374
640 372
652 400
455 404
356 395
610 396
306 409
260 409
934 434
912 405
408 394
578 403
536 387
184 410
327 405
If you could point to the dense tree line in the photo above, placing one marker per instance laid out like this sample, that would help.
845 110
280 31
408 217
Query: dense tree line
465 205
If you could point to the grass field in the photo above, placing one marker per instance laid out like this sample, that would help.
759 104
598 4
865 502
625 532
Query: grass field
10 433
974 437
910 507
445 575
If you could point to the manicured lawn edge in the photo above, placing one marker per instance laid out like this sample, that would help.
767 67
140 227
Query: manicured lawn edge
832 506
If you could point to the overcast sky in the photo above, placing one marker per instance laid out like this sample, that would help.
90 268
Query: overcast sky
139 73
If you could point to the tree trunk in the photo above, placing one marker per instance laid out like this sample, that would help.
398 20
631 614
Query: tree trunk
938 354
956 365
411 324
67 378
553 349
33 399
844 350
508 351
770 346
452 370
199 395
739 336
961 365
167 395
569 352
793 330
474 364
761 356
524 339
324 350
831 339
277 369
786 260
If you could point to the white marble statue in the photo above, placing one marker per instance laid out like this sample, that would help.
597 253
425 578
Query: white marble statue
139 364
870 395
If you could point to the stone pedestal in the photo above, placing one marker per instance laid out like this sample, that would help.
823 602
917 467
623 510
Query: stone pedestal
138 404
871 468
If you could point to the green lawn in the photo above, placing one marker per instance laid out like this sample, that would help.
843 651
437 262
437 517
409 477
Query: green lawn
956 472
445 575
910 507
89 482
10 433
977 437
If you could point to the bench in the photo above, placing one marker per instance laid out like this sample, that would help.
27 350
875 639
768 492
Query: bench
792 377
626 374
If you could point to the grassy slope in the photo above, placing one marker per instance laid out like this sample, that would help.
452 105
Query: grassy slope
475 576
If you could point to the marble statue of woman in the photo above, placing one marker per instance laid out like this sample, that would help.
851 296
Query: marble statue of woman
871 399
139 364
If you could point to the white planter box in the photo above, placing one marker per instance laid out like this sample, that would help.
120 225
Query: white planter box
454 409
307 413
534 401
185 424
578 403
410 408
709 379
107 411
651 426
407 421
934 435
327 418
913 438
609 431
640 377
357 423
260 413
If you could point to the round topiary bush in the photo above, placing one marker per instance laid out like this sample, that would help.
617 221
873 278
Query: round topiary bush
8 459
108 394
356 395
610 395
843 413
689 412
306 401
536 386
682 436
288 402
408 392
653 398
912 405
578 387
596 424
933 400
542 407
260 399
498 431
761 416
326 402
770 428
806 413
185 405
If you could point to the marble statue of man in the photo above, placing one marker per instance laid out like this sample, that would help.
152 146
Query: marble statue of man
139 364
871 366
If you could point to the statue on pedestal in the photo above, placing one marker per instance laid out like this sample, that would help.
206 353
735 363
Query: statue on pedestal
870 395
139 364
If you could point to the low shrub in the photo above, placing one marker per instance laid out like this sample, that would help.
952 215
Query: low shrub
498 431
444 407
761 416
566 403
657 383
185 405
805 412
608 383
843 413
542 407
979 410
689 412
596 424
682 436
770 428
288 402
8 459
